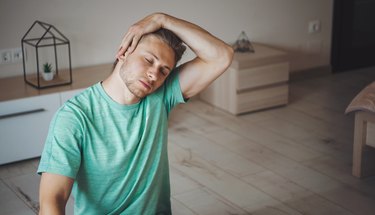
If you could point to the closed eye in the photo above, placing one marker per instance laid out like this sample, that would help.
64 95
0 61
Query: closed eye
163 72
148 60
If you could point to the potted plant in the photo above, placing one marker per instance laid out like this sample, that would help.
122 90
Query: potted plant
47 72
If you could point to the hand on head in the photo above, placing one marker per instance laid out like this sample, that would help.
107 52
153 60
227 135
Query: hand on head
147 25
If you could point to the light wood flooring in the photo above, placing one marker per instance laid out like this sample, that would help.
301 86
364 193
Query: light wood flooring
294 159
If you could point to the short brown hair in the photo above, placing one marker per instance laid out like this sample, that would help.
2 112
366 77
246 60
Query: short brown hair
170 39
173 41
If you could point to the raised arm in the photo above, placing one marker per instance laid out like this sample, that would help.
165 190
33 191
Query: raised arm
54 193
213 55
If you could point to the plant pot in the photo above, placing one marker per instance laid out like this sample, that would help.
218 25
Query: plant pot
47 76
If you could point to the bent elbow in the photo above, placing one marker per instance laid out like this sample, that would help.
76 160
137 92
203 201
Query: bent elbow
226 57
230 54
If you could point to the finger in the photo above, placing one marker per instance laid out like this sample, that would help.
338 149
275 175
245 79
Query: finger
125 38
125 42
124 46
133 44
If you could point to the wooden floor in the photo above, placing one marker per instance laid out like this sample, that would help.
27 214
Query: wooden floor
294 159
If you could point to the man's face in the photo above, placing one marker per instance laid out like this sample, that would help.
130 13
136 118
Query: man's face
146 69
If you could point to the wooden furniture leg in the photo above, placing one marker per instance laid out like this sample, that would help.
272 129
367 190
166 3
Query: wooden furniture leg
360 133
363 164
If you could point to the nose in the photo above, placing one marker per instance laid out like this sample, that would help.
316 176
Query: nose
152 74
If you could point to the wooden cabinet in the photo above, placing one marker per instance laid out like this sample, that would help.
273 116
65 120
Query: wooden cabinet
254 81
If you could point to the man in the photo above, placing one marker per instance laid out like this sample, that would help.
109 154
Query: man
109 144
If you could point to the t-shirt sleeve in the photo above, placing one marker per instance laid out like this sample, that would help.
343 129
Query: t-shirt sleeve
172 90
61 154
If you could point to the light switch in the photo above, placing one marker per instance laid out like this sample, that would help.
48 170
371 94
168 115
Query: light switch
314 26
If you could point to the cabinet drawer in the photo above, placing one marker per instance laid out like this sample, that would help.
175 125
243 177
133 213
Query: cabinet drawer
262 98
262 76
24 125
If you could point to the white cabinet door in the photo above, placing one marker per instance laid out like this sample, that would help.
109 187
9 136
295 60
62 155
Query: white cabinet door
24 126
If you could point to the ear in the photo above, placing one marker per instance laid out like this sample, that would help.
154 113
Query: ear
123 57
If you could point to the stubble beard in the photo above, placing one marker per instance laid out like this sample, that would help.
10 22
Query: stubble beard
135 90
131 85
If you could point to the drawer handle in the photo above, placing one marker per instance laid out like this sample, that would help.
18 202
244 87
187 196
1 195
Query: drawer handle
22 113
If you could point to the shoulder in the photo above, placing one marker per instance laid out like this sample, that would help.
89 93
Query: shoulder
73 112
82 97
170 92
83 101
170 84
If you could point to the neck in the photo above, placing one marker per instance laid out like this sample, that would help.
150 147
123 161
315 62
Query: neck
117 90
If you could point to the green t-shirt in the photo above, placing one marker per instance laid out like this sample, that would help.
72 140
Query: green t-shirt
116 153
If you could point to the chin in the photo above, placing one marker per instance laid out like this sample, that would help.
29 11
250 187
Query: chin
140 94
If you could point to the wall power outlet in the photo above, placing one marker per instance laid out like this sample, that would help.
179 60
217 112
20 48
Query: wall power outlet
11 55
5 56
17 55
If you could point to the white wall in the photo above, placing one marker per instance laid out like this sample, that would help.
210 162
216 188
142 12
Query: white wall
95 27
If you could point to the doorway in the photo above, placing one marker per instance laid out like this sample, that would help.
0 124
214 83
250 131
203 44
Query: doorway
353 35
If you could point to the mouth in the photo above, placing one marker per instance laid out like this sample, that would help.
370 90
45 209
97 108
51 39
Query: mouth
146 85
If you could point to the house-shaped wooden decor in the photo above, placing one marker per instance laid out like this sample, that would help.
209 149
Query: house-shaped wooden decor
46 56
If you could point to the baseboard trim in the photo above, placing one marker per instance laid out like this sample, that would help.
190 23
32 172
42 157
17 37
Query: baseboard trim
310 73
